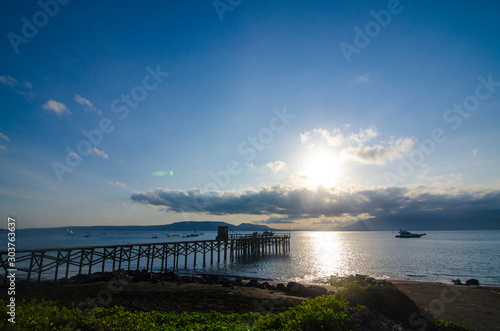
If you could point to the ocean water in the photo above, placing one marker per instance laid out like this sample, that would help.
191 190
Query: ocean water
440 256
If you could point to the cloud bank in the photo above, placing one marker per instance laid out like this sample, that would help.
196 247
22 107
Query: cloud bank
285 203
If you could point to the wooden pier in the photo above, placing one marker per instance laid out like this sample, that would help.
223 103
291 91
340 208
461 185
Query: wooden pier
67 261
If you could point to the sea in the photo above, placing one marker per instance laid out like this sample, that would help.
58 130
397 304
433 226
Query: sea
439 256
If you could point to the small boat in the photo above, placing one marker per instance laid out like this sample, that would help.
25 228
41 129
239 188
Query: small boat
154 236
407 234
175 235
189 235
87 234
70 233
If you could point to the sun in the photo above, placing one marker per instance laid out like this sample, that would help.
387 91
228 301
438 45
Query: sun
321 169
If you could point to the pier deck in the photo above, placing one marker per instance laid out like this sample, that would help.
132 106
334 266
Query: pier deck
67 261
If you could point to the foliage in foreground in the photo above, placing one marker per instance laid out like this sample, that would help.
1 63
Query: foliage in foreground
322 313
46 315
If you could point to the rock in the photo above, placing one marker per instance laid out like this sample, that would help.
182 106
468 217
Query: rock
297 289
281 287
253 283
65 281
472 281
457 282
80 279
316 291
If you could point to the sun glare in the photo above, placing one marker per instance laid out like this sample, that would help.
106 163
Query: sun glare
321 169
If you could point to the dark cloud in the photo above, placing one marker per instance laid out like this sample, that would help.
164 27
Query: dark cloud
276 220
291 203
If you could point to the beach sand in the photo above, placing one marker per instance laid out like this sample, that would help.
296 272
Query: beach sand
476 307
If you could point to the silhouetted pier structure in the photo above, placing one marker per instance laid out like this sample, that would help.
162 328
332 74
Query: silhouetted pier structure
68 261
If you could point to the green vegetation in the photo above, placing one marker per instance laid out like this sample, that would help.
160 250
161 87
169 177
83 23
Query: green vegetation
450 326
339 312
319 313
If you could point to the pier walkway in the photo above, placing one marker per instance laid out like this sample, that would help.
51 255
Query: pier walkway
67 261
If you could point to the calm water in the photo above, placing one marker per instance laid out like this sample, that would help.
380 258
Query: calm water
438 256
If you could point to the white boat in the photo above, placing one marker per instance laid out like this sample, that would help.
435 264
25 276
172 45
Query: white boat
407 234
70 233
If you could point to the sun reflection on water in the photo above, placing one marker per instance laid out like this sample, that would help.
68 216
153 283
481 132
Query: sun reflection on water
327 254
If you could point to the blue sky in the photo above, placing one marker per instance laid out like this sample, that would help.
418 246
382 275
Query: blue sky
280 113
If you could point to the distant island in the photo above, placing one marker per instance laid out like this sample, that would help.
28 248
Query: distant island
177 226
426 223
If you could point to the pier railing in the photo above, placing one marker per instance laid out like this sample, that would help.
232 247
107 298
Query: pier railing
68 261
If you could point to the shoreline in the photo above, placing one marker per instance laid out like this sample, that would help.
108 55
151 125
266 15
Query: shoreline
472 306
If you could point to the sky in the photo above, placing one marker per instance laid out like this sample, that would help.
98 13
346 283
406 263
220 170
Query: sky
286 113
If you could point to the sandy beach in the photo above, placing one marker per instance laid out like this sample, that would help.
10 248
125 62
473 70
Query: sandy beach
475 307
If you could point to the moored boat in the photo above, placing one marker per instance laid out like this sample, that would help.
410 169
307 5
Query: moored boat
407 234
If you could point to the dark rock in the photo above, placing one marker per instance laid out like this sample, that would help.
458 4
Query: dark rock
281 287
65 281
253 283
80 279
297 289
472 281
316 291
457 282
23 283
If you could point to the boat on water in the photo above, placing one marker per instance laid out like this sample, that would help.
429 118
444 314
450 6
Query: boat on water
189 235
407 234
70 233
154 236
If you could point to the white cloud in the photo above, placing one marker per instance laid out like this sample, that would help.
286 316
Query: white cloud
475 151
366 78
335 138
380 154
102 154
353 146
362 79
28 95
88 106
3 149
364 135
59 108
276 166
4 137
117 184
8 80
